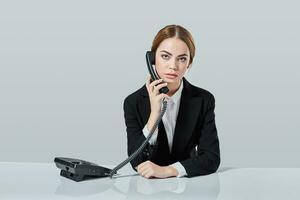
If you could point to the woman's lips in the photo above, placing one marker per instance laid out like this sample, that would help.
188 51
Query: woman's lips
171 76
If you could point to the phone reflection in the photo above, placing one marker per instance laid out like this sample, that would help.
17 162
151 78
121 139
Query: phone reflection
85 188
137 187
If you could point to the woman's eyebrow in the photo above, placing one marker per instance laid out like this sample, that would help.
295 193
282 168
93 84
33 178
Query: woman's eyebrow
171 54
166 52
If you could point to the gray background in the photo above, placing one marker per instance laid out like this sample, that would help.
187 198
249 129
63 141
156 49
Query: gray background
66 67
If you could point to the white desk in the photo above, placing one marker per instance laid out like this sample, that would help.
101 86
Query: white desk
42 181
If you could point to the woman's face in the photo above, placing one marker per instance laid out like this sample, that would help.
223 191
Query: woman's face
172 60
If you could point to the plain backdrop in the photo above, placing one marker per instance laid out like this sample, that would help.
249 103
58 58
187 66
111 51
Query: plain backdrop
67 66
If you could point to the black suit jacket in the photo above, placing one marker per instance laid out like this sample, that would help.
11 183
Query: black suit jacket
195 141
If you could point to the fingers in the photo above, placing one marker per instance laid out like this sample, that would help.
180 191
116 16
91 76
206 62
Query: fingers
148 173
162 95
158 87
155 96
142 165
148 82
155 85
155 82
150 85
145 169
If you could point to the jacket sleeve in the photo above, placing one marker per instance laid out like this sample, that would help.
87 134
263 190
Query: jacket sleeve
207 158
135 136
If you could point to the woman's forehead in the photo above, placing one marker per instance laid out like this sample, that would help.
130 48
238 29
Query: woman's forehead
174 46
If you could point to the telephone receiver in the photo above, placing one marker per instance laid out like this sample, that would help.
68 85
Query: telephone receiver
150 60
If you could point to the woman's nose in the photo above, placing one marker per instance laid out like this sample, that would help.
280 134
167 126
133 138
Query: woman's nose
173 65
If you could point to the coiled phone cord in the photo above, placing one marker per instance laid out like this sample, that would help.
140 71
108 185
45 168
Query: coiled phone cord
138 151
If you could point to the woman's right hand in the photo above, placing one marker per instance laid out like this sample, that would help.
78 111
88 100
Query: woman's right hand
155 96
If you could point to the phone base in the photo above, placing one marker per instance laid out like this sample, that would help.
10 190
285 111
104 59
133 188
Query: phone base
80 170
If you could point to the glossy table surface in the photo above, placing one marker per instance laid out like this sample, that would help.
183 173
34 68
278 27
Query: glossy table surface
42 181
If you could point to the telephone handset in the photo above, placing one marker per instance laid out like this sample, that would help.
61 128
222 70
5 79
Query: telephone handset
150 59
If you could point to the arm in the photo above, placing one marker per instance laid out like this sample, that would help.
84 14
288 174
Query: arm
207 159
135 136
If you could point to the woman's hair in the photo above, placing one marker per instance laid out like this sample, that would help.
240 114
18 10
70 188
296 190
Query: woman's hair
176 31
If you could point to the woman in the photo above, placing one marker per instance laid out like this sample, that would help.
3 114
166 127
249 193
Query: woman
185 142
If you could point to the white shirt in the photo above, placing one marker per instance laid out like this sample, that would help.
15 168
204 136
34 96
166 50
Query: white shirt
169 120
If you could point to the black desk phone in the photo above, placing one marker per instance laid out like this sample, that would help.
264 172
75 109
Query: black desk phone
79 170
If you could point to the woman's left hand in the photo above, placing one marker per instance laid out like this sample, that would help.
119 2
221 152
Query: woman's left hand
149 169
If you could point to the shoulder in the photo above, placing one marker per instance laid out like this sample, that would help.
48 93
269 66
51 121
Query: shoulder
202 92
205 99
196 91
135 96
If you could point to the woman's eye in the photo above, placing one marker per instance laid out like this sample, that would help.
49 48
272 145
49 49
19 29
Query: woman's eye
164 56
182 59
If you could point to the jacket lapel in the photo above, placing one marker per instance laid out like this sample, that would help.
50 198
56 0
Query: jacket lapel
189 110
